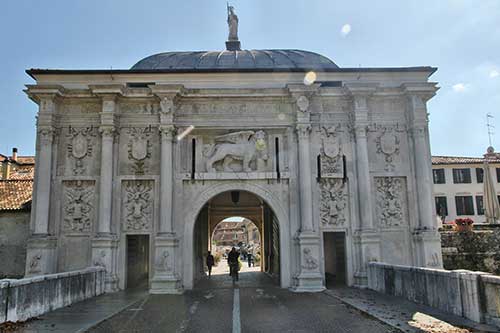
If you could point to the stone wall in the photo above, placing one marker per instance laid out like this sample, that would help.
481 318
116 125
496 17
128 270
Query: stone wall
14 233
30 297
476 251
473 295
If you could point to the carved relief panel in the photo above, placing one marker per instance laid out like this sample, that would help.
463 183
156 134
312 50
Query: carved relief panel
243 151
78 206
137 205
333 206
391 201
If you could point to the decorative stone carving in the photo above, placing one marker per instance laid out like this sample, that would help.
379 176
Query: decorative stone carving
166 105
388 145
333 202
100 261
244 146
331 152
46 135
310 263
78 206
79 147
34 264
391 200
434 261
107 131
139 149
138 205
303 131
162 262
303 103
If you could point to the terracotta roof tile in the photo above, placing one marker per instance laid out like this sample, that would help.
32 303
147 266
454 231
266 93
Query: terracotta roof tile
15 194
441 160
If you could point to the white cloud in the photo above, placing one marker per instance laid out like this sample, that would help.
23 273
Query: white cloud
459 87
346 29
494 73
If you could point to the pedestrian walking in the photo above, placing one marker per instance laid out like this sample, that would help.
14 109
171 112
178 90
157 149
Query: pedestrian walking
210 263
250 259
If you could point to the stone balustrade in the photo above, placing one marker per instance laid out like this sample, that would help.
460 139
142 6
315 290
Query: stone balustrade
30 297
473 295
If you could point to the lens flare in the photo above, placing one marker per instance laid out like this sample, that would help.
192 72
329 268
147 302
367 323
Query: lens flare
309 78
185 132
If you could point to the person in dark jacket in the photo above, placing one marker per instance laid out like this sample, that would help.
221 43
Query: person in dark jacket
210 263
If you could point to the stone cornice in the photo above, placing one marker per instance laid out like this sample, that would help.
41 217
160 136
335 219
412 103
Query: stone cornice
166 90
426 90
39 92
108 89
361 88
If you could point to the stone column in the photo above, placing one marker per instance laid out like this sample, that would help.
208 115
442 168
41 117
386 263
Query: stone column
366 237
310 278
44 180
426 236
165 279
40 254
303 134
166 179
107 130
105 244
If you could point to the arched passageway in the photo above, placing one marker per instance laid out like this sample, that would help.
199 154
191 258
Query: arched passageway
250 214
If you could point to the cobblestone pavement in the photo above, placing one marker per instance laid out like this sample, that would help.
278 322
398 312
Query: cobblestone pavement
254 304
405 315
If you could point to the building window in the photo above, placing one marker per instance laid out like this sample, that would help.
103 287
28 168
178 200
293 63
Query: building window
441 206
464 204
438 176
479 175
479 205
498 175
461 176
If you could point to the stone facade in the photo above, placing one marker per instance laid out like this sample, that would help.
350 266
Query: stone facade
131 152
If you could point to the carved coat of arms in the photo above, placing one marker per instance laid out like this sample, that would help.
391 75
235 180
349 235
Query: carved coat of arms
139 148
388 145
79 147
331 149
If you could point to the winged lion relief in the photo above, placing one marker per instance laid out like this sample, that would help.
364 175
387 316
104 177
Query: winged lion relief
243 146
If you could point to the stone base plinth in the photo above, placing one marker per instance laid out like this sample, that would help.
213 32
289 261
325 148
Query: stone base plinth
165 280
368 242
41 256
310 278
168 284
104 253
428 248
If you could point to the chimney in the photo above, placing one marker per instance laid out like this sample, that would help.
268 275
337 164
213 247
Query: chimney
14 154
6 169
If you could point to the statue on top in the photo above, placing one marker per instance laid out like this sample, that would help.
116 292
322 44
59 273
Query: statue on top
232 22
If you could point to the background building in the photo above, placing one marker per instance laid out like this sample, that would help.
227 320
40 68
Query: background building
16 187
458 185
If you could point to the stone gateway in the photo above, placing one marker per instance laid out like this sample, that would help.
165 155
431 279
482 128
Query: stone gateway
135 168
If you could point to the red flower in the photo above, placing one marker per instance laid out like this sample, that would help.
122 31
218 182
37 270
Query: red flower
465 221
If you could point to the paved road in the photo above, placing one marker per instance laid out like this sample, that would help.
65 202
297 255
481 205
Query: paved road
254 304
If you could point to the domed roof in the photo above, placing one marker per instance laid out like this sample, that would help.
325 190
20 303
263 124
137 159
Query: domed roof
245 60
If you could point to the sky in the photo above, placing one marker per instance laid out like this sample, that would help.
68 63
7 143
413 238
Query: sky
460 37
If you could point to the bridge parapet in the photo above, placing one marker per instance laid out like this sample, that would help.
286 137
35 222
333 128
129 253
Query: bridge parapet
26 298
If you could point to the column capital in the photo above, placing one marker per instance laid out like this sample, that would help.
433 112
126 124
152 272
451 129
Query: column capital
46 134
167 132
303 130
107 131
361 131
